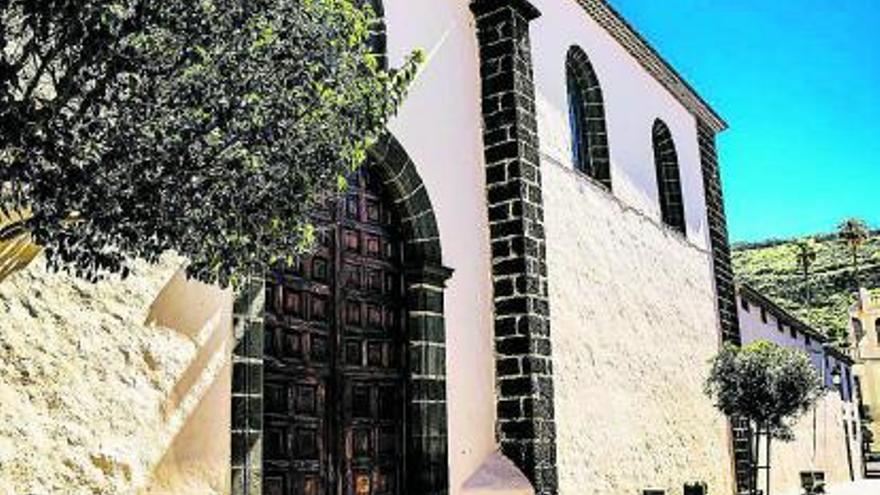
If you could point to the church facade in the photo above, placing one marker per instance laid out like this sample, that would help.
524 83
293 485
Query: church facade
529 279
519 294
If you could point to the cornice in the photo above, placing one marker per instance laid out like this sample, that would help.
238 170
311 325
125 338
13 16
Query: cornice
625 34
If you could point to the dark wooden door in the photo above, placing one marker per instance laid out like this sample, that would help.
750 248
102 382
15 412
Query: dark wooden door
334 381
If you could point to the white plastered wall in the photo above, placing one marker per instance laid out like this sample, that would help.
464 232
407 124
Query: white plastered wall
439 125
633 101
633 307
820 438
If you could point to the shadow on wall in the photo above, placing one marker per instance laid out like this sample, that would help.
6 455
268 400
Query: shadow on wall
197 411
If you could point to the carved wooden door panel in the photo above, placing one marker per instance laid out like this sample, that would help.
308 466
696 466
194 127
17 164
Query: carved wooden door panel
334 385
371 337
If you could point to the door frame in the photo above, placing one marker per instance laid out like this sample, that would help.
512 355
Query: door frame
425 276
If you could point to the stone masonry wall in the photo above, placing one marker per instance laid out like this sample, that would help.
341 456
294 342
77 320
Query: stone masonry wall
96 400
634 324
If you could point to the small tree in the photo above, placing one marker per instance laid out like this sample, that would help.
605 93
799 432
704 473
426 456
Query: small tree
853 232
210 127
767 385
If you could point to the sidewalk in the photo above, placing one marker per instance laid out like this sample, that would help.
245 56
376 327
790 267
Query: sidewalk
863 487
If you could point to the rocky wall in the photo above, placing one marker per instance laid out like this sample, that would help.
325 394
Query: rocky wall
95 400
634 324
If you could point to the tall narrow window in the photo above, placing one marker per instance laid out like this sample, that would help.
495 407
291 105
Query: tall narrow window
668 177
859 331
586 115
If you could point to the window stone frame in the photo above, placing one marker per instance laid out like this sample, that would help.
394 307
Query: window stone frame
592 131
668 174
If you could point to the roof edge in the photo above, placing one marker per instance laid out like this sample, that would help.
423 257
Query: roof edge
633 42
780 313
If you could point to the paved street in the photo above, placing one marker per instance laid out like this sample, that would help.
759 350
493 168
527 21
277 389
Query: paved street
864 487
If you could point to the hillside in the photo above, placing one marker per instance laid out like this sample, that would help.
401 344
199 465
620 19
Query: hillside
772 268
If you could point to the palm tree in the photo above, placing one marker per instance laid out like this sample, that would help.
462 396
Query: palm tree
806 256
854 232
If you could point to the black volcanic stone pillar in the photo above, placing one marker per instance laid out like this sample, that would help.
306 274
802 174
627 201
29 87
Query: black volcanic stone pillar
720 244
247 389
525 429
428 460
724 286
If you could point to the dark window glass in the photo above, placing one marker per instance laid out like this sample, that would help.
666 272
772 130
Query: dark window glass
668 178
859 331
586 115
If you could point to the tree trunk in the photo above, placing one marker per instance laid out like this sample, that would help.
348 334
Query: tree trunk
769 439
807 298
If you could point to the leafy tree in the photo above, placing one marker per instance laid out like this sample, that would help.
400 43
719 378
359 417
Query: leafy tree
210 127
766 384
807 251
853 232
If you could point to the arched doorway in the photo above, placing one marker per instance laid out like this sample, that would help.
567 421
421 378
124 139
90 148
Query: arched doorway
339 383
334 356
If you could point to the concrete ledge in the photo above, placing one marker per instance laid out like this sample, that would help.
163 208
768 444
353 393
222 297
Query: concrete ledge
497 476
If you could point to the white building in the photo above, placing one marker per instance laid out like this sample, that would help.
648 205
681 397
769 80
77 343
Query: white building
828 438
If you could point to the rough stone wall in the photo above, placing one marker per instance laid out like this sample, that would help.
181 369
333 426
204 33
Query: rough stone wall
92 399
718 237
634 323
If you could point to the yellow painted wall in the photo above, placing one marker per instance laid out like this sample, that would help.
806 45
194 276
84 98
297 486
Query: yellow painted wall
16 248
867 311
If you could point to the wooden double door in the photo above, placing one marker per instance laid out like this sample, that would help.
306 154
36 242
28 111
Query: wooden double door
334 382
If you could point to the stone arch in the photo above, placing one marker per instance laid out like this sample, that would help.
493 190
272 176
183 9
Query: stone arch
586 106
424 278
668 177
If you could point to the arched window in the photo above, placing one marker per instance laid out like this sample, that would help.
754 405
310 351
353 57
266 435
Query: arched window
668 177
586 112
858 331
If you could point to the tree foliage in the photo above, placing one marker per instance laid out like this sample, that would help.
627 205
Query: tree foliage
765 383
854 233
210 127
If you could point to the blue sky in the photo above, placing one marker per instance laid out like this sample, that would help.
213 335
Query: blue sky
799 83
